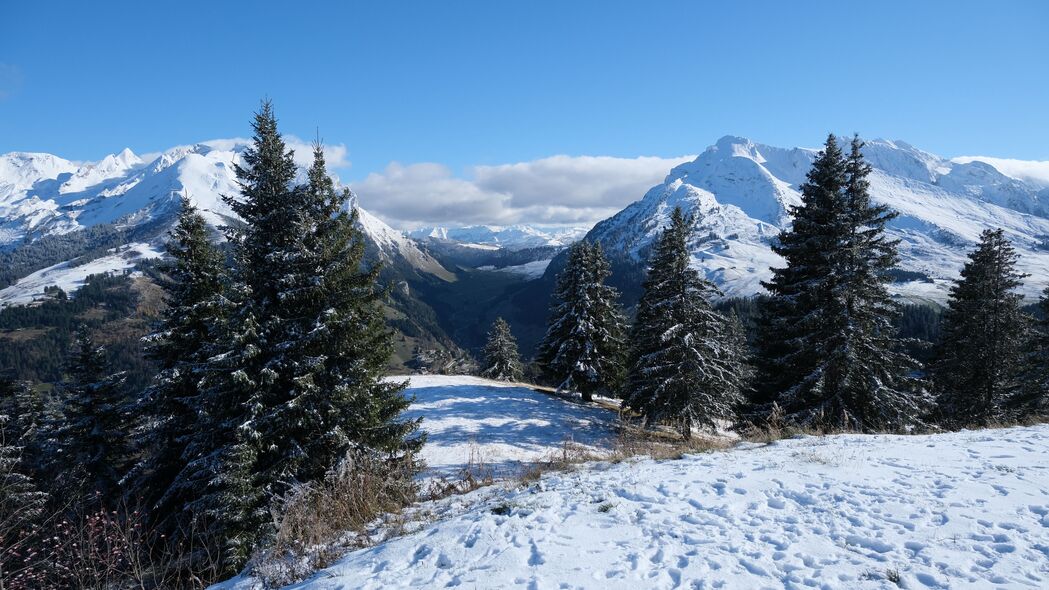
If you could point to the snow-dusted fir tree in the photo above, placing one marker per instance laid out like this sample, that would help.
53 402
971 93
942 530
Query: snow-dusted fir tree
688 364
21 503
501 358
332 346
30 416
583 348
299 381
170 411
984 334
829 349
91 450
231 499
1033 399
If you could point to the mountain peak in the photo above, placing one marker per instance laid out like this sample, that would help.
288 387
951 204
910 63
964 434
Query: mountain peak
741 193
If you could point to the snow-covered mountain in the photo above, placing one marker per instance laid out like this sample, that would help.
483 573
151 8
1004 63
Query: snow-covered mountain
741 192
45 195
512 237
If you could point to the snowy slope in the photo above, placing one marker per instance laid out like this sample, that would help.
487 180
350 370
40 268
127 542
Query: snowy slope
741 192
960 510
69 277
513 237
532 270
505 425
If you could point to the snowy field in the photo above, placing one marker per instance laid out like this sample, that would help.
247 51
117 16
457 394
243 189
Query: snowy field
506 426
961 510
70 278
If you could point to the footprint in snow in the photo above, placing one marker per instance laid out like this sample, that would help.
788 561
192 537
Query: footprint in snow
536 558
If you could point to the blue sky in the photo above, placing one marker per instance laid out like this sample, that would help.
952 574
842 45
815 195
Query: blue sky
463 84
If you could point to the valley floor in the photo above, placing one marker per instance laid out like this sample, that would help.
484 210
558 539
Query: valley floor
960 510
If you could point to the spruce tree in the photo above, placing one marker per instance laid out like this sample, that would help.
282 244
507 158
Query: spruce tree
232 498
299 379
830 358
688 362
1033 399
332 347
980 358
91 447
22 503
170 410
583 348
31 416
501 358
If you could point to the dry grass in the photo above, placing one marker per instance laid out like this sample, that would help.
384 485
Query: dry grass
663 445
631 442
318 521
475 474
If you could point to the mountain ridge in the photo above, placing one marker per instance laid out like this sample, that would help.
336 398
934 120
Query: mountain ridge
741 192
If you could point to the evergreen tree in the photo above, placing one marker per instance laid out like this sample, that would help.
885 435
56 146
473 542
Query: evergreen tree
687 360
1033 399
170 409
331 347
583 347
299 379
980 358
501 359
92 451
21 504
830 355
30 414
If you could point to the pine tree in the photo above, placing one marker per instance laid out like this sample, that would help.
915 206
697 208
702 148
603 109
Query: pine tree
583 348
830 356
1033 399
501 359
170 410
299 380
687 360
92 451
22 503
332 348
980 360
30 415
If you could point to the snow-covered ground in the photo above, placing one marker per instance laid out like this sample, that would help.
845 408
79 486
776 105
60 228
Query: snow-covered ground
70 278
469 419
961 510
532 270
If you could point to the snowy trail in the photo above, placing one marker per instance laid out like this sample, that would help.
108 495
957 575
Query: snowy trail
958 510
506 425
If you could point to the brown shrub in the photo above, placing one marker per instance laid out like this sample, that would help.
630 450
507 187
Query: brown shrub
317 521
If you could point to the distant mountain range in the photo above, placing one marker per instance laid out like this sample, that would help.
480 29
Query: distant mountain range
62 220
741 192
513 237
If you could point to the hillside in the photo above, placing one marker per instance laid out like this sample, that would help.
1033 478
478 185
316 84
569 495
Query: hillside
965 509
504 426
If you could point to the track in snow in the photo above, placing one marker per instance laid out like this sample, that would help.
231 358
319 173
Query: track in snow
967 509
506 425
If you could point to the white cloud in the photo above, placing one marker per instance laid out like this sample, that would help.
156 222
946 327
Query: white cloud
558 189
1029 171
335 155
